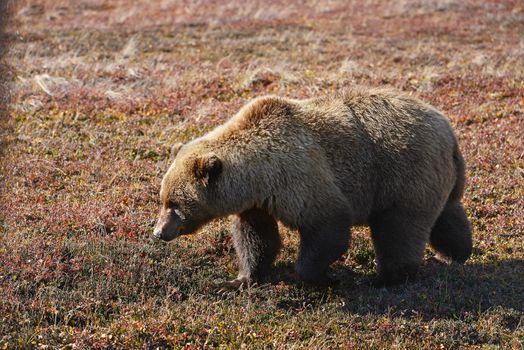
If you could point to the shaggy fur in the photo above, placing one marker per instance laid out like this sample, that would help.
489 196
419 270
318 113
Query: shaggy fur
372 157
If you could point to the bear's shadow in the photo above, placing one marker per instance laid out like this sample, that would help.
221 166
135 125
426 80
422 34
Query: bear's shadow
440 291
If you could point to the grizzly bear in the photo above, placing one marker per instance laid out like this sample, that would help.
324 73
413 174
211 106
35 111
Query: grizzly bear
320 166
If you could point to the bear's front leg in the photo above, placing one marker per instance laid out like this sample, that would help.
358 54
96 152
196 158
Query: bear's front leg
257 242
321 244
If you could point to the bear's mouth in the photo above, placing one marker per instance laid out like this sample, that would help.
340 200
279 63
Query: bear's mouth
165 234
166 239
160 234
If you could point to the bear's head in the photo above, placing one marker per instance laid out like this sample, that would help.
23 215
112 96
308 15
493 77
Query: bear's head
189 192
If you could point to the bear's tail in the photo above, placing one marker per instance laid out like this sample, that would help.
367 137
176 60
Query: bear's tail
451 234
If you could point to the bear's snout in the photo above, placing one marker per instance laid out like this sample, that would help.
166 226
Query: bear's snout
164 233
166 227
157 232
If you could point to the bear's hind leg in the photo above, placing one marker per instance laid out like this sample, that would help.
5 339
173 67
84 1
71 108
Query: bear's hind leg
451 235
400 238
257 242
320 246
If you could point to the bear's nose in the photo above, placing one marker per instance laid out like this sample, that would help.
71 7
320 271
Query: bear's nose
157 232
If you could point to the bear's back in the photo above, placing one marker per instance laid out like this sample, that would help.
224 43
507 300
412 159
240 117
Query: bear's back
380 144
384 118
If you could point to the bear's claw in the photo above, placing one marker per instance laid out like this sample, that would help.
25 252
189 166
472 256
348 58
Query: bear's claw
238 284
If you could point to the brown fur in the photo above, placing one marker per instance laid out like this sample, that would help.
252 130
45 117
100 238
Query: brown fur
372 157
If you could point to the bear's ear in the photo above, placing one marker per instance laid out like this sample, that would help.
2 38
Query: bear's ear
174 150
207 168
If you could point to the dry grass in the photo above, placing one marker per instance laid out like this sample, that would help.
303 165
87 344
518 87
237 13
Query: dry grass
104 88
